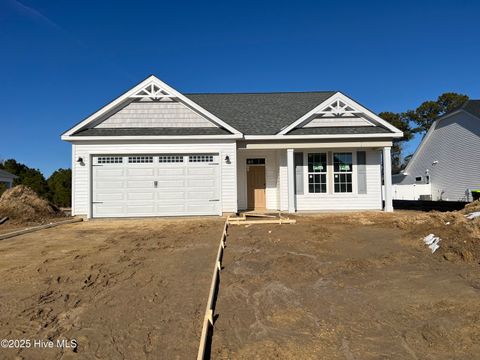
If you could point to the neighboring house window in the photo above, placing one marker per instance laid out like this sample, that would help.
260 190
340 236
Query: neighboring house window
317 173
342 172
418 179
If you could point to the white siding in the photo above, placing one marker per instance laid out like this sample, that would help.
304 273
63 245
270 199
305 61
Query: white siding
271 177
155 114
454 143
372 200
82 172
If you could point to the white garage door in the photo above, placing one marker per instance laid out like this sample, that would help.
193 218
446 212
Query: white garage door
156 185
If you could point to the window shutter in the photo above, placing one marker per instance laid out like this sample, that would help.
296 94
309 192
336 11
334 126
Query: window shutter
298 159
362 172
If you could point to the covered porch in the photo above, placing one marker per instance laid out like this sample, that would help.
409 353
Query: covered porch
313 176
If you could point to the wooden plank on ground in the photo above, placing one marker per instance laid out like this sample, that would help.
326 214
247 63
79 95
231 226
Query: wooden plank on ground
36 228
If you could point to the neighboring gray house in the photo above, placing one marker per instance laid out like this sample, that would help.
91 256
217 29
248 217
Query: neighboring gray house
7 178
447 162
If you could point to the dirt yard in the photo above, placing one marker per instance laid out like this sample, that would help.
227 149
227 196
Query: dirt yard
133 289
350 286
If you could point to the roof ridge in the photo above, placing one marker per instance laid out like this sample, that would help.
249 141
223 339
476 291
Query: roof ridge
260 92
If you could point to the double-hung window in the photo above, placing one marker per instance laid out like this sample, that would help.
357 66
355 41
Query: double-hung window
317 173
342 172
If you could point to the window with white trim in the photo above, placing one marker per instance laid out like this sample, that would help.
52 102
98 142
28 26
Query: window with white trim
317 172
170 158
342 172
140 159
200 158
110 160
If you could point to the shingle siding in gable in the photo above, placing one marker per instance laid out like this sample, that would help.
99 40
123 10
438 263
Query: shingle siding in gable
454 143
155 115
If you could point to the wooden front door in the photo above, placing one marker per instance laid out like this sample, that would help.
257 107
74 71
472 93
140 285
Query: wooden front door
256 187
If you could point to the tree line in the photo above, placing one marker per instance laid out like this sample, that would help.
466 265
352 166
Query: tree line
57 188
418 121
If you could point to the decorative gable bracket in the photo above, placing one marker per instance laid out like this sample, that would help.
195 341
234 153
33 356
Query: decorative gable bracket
338 109
341 106
152 91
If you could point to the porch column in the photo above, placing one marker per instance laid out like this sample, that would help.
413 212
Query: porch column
387 178
291 181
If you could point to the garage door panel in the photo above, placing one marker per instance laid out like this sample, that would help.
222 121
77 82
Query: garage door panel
171 171
140 196
102 210
140 184
156 189
109 196
171 184
174 194
104 172
201 207
109 185
201 183
141 172
140 209
171 209
209 171
202 195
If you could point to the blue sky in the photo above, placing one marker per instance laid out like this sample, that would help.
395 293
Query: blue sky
62 60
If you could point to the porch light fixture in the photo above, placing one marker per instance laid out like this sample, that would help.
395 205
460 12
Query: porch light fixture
80 160
227 159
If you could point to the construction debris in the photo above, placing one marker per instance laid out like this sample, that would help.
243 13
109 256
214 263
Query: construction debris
432 242
473 215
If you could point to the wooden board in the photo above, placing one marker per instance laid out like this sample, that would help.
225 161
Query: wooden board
36 228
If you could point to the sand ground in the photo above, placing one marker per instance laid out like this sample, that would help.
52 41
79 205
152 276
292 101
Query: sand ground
129 289
349 286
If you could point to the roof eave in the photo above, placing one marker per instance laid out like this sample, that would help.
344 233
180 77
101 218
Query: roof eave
324 136
146 137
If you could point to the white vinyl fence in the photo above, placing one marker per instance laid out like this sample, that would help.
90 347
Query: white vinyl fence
411 192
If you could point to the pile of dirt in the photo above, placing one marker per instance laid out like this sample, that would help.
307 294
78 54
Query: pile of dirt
460 236
472 207
22 205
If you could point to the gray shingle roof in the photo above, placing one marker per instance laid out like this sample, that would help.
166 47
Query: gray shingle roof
6 174
250 113
339 130
473 107
260 113
151 131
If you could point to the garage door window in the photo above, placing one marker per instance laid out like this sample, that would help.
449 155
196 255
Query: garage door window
170 158
140 159
200 158
110 160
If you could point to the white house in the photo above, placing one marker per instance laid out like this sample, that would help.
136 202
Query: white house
6 178
156 152
446 165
